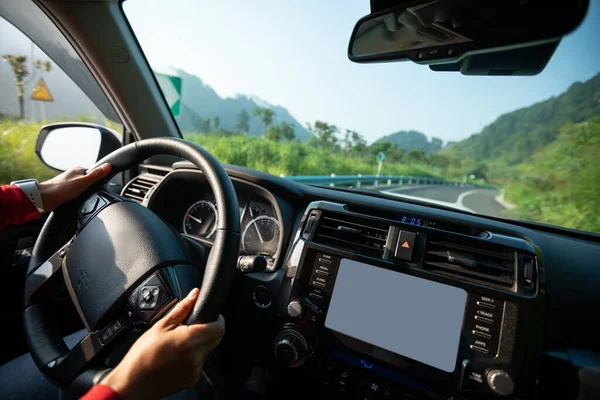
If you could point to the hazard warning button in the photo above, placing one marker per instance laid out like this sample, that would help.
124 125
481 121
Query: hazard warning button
405 245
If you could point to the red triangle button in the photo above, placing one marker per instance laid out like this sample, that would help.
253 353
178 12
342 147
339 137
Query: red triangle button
406 245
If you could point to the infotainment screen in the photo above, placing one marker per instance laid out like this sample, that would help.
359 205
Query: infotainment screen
410 316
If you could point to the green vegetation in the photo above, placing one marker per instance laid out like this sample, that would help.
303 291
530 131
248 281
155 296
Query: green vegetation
515 136
17 147
291 157
17 152
560 184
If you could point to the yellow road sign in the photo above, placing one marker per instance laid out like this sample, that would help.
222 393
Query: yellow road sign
41 92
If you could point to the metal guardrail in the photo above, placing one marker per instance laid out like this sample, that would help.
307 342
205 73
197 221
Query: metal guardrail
374 180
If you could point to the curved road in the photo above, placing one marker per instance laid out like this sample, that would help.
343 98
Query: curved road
480 201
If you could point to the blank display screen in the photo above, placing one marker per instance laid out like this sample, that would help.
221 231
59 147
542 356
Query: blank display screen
410 316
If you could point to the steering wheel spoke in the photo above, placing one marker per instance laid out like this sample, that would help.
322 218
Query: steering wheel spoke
69 366
41 281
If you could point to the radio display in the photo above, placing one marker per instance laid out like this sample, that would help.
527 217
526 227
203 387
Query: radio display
409 316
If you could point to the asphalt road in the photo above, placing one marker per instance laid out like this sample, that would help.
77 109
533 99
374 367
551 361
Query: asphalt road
480 201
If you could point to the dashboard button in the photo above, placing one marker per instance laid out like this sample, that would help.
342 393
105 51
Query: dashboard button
484 319
405 245
315 296
321 279
486 299
485 314
319 284
484 304
482 334
479 349
261 296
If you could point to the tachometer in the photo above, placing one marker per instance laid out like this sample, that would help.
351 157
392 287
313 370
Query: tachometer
261 236
201 219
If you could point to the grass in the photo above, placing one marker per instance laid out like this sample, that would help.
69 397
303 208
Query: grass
295 158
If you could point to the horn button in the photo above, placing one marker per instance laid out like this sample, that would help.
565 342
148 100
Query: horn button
118 253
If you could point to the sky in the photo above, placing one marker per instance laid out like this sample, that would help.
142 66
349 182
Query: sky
294 54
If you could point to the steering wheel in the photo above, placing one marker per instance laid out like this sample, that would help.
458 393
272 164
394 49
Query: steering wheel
124 267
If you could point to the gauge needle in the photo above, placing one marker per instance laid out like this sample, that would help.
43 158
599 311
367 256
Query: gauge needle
256 226
258 231
198 220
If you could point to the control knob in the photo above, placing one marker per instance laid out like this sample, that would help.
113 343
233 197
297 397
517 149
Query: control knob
295 309
291 348
500 382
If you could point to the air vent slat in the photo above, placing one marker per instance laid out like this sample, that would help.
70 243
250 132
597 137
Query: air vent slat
347 222
471 249
461 270
382 238
355 234
348 242
138 187
456 255
499 267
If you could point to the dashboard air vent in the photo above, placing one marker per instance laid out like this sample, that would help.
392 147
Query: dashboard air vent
139 186
472 258
358 235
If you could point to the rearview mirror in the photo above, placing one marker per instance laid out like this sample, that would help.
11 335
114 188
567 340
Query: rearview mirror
65 145
447 31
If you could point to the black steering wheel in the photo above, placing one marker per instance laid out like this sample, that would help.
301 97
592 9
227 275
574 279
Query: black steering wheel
124 267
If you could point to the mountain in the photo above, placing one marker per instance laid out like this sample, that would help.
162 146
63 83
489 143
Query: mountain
199 100
515 136
412 140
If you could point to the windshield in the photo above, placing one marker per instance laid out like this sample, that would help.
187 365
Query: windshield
269 86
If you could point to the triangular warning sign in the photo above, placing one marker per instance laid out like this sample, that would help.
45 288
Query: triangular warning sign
41 92
405 244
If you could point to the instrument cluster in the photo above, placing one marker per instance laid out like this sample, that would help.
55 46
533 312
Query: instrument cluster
260 228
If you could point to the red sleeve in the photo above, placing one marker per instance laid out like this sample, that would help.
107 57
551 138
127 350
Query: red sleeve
15 207
101 392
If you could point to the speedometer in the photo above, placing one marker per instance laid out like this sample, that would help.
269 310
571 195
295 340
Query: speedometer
201 219
261 236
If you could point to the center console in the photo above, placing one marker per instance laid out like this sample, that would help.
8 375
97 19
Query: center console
373 306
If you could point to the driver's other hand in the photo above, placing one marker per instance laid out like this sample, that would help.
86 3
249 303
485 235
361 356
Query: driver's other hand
69 185
168 357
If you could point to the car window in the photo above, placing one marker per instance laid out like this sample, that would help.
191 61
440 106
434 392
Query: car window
270 87
34 91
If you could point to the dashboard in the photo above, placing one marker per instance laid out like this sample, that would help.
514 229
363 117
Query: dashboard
367 297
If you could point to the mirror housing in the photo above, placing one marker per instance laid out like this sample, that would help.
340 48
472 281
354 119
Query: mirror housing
459 32
65 145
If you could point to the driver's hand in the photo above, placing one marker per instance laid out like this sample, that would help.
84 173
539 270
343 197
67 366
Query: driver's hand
69 185
168 357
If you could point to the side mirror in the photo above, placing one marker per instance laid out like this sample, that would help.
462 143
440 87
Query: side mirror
71 144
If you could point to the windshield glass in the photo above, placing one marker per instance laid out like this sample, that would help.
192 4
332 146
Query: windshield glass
269 86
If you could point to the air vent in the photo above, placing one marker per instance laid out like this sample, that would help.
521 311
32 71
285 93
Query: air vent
472 258
155 170
139 186
358 235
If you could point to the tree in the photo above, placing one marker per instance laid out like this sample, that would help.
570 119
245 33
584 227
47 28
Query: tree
323 135
202 125
436 144
216 122
416 156
21 71
283 131
266 116
243 122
